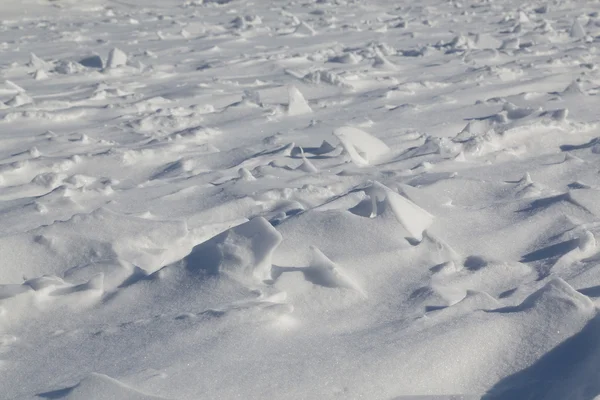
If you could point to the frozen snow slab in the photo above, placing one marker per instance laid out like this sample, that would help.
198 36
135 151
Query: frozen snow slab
297 103
362 147
412 217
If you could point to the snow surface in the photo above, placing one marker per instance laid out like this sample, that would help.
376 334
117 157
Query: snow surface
330 199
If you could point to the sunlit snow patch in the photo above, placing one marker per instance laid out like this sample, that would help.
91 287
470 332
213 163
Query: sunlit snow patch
362 147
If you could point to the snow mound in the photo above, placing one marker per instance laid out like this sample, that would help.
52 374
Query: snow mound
557 295
75 245
99 387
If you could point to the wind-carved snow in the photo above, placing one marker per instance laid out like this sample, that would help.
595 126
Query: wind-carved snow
305 200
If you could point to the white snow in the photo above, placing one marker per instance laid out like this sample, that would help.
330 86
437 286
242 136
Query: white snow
116 58
362 147
332 199
297 104
412 217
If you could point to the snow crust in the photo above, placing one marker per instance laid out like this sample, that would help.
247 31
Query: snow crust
332 199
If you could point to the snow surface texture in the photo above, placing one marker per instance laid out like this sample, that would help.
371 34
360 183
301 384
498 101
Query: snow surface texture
332 199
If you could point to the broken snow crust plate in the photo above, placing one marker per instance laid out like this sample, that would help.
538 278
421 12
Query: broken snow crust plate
362 147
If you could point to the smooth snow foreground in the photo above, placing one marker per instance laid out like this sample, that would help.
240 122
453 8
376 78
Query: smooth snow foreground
232 199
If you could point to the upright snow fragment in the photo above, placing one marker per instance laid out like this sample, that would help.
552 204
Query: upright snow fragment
381 61
574 89
9 87
523 18
246 175
297 103
36 62
116 58
19 100
325 272
305 29
577 30
362 147
306 165
412 217
40 74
